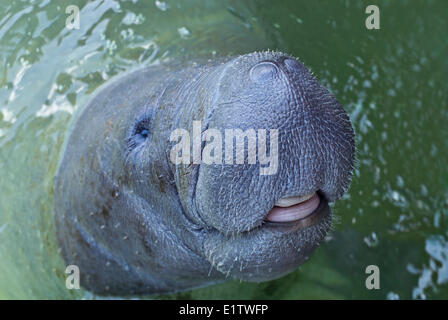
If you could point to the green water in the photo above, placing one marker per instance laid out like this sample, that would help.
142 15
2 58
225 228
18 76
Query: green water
392 81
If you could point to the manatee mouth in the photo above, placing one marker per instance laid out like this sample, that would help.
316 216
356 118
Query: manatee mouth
298 212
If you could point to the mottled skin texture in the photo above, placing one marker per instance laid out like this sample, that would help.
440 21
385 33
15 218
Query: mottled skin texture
135 223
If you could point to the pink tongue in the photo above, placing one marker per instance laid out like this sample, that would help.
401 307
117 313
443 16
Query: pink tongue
295 212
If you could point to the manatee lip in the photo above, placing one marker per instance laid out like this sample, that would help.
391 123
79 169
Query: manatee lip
296 200
298 212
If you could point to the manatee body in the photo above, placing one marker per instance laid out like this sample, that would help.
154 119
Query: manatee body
135 222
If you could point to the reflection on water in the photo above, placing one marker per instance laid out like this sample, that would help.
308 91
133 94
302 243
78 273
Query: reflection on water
391 81
435 272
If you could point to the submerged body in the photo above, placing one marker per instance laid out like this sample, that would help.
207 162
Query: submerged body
134 222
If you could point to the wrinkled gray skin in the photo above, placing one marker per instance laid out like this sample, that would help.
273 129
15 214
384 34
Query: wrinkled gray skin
135 223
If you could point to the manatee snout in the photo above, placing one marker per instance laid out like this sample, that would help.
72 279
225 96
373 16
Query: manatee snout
179 176
266 225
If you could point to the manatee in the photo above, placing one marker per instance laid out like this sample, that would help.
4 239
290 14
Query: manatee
136 222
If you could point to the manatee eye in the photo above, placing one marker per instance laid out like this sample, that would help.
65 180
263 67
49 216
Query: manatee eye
140 131
144 133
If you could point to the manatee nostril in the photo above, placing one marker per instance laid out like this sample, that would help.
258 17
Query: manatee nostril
291 64
263 71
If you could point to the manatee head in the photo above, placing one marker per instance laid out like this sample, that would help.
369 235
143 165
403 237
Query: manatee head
179 176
